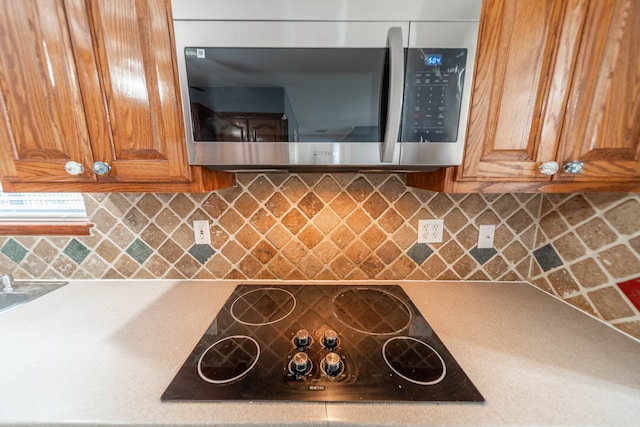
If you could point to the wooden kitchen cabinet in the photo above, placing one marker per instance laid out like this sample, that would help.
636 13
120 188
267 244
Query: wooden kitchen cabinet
259 127
209 125
556 80
43 124
92 81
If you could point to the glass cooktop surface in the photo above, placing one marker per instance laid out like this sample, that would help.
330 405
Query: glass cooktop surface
325 343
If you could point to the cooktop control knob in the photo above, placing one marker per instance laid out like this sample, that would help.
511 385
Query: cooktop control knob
302 339
300 363
332 364
330 338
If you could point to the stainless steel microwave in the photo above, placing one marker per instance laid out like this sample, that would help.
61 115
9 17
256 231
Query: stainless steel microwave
325 84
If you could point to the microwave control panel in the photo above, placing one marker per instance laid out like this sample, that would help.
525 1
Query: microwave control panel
433 93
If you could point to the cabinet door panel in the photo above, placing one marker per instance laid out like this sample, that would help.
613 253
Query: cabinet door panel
229 128
135 61
602 124
42 123
514 70
266 130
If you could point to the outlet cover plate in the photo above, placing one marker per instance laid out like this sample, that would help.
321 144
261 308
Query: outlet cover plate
201 232
430 230
486 236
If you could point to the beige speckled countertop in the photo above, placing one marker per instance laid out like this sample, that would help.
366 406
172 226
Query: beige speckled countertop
102 353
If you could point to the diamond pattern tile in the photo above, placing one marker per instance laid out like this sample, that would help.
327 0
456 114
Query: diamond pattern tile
139 251
263 252
327 189
390 221
214 205
294 221
149 205
625 217
76 251
261 188
375 205
482 255
14 251
393 189
126 265
505 205
310 205
294 189
631 289
188 266
250 266
353 226
310 236
419 253
473 205
547 257
246 205
202 252
262 220
596 233
359 189
247 236
358 221
135 220
620 262
310 265
576 210
343 205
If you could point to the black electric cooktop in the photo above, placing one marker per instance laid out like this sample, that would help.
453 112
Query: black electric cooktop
322 343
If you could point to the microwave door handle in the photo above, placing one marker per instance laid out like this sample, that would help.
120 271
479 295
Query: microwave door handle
396 83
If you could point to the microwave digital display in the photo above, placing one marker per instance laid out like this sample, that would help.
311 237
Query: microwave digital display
433 60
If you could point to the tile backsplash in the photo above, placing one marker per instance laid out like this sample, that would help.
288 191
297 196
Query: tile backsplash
586 245
353 227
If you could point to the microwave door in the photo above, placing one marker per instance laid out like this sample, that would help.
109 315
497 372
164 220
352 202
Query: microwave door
286 94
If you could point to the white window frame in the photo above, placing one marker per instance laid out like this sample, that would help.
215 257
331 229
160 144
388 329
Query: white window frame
43 214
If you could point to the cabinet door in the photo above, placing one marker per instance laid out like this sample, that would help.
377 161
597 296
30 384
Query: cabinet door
520 89
134 109
265 130
231 128
42 122
243 127
602 121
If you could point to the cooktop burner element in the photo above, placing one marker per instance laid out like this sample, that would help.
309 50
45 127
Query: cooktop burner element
414 360
228 359
371 311
263 306
322 343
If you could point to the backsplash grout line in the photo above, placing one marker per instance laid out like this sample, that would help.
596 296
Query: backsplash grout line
354 226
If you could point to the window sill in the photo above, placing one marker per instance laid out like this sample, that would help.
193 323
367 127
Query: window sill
15 228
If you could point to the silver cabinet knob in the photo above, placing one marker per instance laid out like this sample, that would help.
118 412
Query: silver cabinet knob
73 168
549 168
574 167
101 168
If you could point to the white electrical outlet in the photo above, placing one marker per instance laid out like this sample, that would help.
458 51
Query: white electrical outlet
430 230
201 232
485 236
